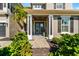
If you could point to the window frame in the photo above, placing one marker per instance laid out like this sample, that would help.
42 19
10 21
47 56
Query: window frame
1 6
57 6
64 17
3 25
37 6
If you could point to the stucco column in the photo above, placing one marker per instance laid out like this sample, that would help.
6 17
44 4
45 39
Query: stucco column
29 26
50 26
6 7
8 26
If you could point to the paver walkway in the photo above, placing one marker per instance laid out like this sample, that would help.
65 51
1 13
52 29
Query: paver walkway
40 46
39 42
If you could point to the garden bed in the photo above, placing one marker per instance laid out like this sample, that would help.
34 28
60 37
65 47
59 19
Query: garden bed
66 45
53 46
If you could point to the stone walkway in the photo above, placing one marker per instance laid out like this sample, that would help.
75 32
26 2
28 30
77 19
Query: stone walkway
40 46
39 42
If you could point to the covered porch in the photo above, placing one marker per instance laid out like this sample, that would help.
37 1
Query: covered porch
39 25
40 22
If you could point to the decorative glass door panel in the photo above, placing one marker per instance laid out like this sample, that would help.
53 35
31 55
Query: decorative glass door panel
39 28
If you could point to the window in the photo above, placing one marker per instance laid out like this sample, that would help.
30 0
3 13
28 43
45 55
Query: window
59 5
35 6
2 29
8 5
1 6
38 6
65 24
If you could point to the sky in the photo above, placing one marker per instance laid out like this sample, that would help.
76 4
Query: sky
26 4
74 5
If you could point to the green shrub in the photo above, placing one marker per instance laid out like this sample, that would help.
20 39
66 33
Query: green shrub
5 51
69 46
56 40
19 47
50 54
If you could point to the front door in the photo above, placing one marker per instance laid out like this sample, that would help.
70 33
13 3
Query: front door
39 28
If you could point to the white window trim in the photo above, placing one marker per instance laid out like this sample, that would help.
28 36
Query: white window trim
65 32
3 21
68 26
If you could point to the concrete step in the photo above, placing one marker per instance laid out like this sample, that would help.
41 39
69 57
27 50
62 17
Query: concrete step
38 37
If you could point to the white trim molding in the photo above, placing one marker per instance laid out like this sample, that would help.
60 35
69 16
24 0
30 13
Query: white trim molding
3 21
50 24
65 32
29 26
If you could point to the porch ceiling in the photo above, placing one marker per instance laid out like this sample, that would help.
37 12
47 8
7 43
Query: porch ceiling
40 17
54 12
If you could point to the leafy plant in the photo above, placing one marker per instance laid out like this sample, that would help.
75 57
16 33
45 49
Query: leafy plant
56 40
19 16
5 51
19 47
19 13
69 46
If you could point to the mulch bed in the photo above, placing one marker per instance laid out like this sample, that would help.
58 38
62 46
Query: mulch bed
53 46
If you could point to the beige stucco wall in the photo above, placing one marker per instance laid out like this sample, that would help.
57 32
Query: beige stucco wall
55 27
75 26
14 27
49 6
68 6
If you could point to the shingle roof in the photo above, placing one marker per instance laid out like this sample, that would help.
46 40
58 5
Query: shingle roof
54 12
